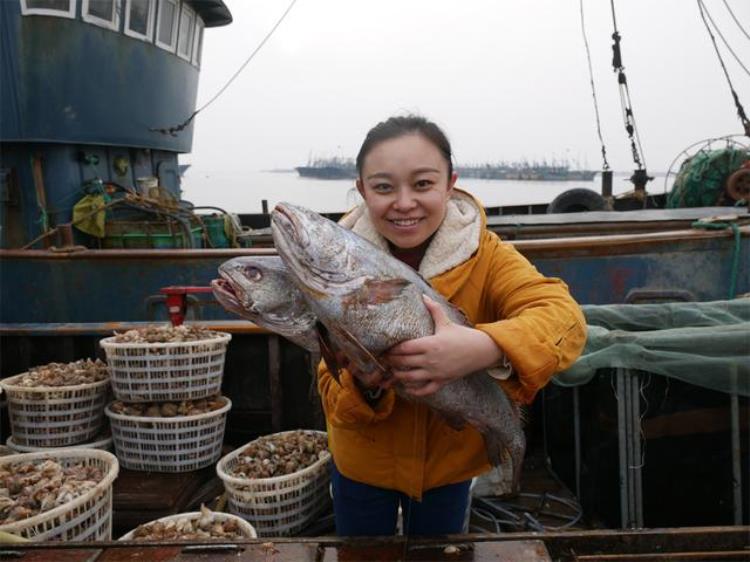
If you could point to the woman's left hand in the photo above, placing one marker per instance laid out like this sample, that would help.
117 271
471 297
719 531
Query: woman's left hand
424 365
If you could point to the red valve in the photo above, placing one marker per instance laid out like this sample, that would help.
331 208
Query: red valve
177 300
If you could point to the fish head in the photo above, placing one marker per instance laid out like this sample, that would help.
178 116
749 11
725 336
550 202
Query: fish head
318 251
251 286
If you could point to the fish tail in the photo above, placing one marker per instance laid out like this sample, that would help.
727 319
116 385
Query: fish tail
517 453
495 447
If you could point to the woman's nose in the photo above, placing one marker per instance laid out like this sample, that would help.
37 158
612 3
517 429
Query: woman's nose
404 200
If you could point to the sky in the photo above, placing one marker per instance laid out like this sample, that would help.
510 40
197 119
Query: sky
506 79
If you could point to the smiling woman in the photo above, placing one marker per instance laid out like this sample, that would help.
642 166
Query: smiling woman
518 329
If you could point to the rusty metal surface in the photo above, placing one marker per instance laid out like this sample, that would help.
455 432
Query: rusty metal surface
505 551
689 542
668 556
7 552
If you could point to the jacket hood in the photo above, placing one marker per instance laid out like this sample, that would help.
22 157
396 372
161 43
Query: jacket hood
455 241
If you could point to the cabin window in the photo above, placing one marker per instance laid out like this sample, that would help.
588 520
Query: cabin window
104 13
166 24
187 33
198 42
139 18
59 8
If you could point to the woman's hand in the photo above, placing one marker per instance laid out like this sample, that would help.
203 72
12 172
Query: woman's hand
424 365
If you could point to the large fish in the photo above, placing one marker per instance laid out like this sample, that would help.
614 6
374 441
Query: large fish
368 302
260 289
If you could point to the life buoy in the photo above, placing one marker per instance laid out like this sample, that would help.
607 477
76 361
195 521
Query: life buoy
577 200
738 184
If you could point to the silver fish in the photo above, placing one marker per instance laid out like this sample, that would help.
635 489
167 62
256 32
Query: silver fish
260 289
369 301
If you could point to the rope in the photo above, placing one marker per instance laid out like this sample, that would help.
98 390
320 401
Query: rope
740 110
605 164
177 128
721 35
734 271
736 20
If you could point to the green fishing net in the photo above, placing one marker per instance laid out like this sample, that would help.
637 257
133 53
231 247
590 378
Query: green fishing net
702 343
701 178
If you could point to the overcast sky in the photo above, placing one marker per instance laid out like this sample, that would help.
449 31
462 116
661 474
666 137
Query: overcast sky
506 79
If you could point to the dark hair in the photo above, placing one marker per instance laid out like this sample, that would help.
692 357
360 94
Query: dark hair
395 127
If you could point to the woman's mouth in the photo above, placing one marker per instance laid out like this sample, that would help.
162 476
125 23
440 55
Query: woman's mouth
405 223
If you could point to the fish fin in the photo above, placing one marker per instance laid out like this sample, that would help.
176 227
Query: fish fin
363 356
376 291
328 351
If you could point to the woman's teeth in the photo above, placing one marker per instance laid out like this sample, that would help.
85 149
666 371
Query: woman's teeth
405 222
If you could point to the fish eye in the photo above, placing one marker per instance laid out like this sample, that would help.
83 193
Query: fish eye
253 273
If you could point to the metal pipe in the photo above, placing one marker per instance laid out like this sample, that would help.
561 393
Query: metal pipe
736 449
607 183
627 405
577 439
636 460
621 438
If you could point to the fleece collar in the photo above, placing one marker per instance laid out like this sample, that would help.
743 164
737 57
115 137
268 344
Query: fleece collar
454 242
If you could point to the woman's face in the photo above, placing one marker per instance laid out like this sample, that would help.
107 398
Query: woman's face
405 184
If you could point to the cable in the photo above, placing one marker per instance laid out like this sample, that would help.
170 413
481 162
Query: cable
736 20
639 178
173 130
740 110
605 164
726 43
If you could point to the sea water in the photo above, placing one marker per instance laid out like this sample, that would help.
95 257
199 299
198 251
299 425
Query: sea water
244 192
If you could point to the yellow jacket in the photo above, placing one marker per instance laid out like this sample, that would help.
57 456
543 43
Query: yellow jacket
402 445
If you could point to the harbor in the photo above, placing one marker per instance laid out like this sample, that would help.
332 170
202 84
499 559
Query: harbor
142 417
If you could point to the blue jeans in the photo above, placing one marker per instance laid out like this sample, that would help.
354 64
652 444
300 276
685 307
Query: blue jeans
364 510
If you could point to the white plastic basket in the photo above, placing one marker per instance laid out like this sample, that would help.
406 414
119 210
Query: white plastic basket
102 442
278 506
156 372
176 444
87 517
55 416
247 530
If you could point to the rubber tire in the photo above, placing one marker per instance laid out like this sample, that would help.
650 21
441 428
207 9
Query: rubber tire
577 200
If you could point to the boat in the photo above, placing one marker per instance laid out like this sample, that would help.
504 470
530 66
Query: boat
65 154
526 171
329 169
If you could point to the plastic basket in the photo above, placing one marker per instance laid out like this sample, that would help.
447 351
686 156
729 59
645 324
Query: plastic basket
103 443
247 530
155 372
87 517
55 416
278 506
177 444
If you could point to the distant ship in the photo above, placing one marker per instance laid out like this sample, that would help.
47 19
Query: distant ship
329 169
525 171
345 168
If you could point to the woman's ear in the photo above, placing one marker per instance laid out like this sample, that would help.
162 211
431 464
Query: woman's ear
360 187
452 181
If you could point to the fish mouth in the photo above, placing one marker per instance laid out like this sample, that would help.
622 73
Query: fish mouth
225 292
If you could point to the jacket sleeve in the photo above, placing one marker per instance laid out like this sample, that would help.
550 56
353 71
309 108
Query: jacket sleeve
542 329
344 404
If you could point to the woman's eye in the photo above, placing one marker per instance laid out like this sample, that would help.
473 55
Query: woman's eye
381 188
423 184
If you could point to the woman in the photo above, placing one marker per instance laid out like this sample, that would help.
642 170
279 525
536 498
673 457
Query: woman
389 451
